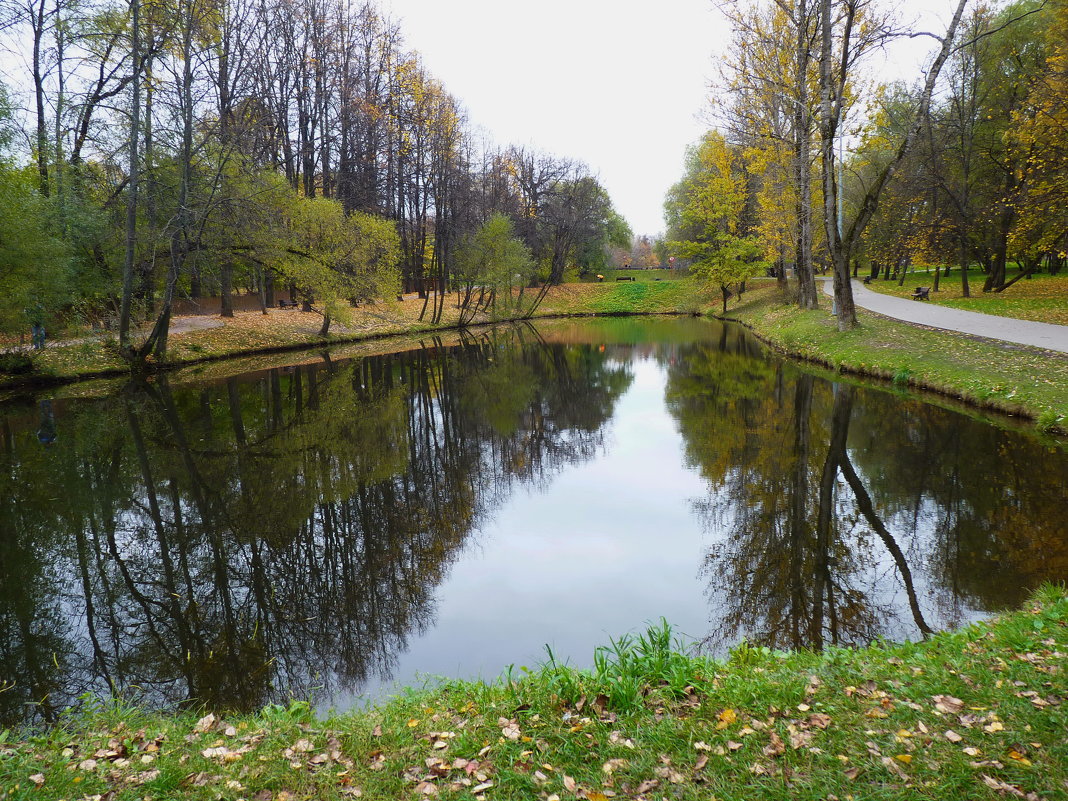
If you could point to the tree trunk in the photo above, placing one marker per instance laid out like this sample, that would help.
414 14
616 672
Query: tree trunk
131 189
807 297
226 272
830 115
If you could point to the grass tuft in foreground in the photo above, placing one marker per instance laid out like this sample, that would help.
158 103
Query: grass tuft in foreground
976 714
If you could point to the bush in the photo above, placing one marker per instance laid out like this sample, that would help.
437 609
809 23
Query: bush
16 362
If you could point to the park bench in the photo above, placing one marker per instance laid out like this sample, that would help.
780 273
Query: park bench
624 277
287 304
921 293
867 280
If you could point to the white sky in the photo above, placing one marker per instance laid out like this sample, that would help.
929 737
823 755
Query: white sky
618 85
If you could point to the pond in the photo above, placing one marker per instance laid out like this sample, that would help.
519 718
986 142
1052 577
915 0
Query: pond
332 526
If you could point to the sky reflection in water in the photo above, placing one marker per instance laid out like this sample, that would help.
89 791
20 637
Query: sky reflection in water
333 527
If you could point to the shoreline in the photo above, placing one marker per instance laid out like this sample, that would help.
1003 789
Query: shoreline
977 712
758 311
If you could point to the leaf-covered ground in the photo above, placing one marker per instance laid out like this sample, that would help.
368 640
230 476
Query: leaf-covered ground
977 714
252 331
1043 298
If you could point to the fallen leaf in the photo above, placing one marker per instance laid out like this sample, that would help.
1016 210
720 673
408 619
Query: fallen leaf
426 788
302 746
701 762
612 765
775 747
893 767
1014 754
600 703
38 779
952 736
669 773
206 723
647 785
1002 787
733 746
700 745
569 784
852 773
726 718
993 727
947 704
819 720
906 758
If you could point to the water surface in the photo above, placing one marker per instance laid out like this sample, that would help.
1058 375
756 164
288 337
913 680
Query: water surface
333 527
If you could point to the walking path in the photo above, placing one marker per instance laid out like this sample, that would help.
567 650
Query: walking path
179 325
991 326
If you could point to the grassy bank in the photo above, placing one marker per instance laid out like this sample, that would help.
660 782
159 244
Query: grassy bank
1043 298
203 339
1010 378
976 714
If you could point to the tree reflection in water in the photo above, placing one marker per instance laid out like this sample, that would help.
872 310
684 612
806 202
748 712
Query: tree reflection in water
269 535
284 533
840 515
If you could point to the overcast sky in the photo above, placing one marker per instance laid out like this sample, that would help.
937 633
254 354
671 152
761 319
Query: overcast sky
620 86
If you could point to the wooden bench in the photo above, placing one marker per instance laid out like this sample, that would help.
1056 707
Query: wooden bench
625 278
867 280
287 304
921 293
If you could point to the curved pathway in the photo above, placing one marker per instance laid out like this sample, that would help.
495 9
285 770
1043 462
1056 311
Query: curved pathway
990 326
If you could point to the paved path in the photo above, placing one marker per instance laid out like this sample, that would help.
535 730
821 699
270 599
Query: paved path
991 326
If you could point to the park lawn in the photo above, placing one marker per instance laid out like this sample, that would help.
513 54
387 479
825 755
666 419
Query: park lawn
651 274
1043 298
1010 378
975 714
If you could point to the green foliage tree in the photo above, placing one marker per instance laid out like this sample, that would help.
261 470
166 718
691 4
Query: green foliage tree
709 219
34 264
338 259
493 266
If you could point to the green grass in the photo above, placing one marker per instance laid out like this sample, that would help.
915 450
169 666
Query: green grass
1043 298
651 275
1013 379
976 714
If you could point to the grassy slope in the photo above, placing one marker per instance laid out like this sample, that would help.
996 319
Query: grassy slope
1042 297
1010 378
976 714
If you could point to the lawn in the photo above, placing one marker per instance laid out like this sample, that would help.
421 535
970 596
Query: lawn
976 714
637 275
991 374
1042 297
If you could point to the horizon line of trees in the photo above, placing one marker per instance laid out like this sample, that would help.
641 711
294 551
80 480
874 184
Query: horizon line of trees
192 147
968 166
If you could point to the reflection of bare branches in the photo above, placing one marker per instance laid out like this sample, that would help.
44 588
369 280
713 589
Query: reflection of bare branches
285 536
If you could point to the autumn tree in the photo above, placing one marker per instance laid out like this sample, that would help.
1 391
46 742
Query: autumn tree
709 216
